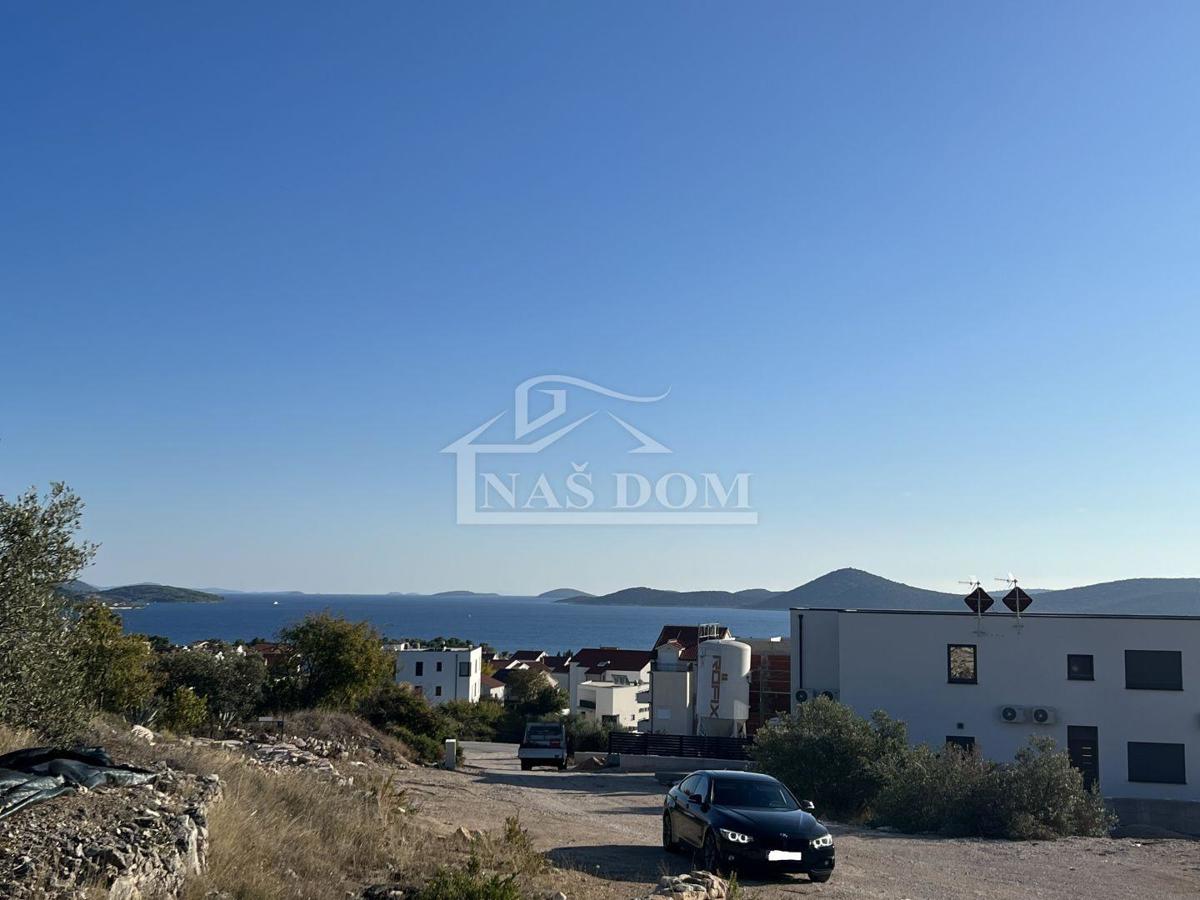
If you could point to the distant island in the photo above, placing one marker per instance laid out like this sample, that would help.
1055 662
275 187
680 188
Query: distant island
138 594
854 588
562 594
463 594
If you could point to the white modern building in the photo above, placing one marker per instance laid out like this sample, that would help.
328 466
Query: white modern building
1121 693
611 703
452 673
609 665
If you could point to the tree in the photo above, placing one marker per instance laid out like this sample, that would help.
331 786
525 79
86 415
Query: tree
231 685
530 693
183 711
341 662
119 669
41 686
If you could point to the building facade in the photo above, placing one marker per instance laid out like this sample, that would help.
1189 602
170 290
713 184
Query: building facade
1120 693
441 675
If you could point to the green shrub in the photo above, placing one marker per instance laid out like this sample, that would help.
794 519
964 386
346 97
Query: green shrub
459 884
828 754
856 768
183 712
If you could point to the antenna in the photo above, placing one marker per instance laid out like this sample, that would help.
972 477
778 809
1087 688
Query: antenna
978 601
1016 599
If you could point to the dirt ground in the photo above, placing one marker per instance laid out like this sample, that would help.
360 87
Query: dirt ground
603 828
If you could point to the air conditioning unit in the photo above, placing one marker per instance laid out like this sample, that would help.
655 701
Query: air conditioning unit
829 695
1014 714
802 696
1044 715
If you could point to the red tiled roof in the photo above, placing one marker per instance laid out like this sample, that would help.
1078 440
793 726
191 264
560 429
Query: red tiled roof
489 683
529 655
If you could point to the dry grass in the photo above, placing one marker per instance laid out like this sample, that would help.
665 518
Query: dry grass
15 739
295 835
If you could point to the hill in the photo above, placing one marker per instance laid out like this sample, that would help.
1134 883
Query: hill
155 593
563 594
463 594
1147 596
77 587
861 590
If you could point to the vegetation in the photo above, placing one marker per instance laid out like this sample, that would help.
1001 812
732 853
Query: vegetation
120 668
41 682
341 662
855 768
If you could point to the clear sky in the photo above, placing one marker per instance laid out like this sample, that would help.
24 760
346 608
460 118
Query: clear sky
928 270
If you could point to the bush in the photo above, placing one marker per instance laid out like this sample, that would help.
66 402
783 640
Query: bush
857 768
828 754
585 734
459 884
183 712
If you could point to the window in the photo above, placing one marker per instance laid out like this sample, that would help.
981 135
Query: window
439 665
464 669
689 785
419 691
1158 763
1080 667
419 669
960 664
1154 670
961 741
437 691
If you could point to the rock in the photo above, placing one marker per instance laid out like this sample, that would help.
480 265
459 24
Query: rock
142 733
557 895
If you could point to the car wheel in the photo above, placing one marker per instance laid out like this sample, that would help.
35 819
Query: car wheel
669 843
819 877
711 856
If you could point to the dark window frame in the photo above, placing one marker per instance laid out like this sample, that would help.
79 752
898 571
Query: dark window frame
963 741
1148 685
419 669
1147 778
1091 667
950 678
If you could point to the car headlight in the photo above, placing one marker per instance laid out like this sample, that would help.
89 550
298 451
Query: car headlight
735 837
825 840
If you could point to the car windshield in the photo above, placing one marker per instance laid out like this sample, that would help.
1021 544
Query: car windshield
748 794
543 733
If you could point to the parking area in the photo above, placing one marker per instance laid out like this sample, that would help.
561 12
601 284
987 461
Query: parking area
606 825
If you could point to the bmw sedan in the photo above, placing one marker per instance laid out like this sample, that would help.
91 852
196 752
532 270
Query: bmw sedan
746 819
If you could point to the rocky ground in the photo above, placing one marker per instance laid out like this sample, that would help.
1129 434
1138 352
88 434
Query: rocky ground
122 843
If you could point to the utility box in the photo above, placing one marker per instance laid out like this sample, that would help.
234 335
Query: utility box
451 754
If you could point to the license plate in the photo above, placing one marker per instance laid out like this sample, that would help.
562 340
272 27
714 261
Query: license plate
784 856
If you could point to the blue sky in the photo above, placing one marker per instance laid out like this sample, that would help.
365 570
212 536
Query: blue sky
928 270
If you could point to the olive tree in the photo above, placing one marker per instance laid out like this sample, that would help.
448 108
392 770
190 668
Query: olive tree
41 677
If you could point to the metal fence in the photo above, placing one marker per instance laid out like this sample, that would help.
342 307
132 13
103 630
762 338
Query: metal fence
694 746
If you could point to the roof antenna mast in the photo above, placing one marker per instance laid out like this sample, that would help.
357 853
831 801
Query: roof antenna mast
978 601
1016 599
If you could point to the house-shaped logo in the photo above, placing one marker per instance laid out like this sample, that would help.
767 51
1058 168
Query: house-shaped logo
644 494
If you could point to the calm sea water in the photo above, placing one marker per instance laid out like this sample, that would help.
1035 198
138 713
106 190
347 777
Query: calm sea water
508 623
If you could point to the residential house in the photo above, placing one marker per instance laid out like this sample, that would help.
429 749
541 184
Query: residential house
451 673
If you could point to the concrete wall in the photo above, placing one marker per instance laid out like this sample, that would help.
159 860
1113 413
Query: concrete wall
897 662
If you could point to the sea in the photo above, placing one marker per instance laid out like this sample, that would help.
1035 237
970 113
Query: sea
506 623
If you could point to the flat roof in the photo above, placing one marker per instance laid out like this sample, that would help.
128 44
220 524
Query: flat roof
992 615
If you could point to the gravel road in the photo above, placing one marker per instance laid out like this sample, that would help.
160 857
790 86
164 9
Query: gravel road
605 828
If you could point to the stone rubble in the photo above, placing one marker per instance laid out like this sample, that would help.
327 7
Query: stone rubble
134 843
692 886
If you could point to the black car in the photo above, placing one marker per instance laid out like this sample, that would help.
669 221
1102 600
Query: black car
746 819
